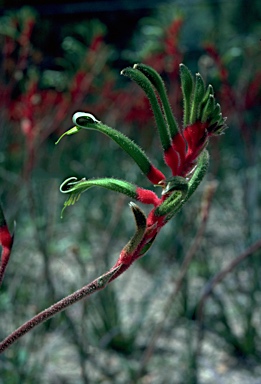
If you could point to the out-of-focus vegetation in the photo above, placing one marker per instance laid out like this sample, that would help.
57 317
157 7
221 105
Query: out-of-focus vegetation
137 330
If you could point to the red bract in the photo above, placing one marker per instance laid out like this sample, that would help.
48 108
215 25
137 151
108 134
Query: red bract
6 242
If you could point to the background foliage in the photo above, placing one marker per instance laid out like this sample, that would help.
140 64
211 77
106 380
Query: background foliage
139 329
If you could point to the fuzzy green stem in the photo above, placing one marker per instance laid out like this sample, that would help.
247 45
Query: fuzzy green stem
148 88
159 85
187 84
87 121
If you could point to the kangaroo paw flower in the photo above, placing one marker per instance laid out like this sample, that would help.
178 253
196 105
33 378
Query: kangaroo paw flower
184 152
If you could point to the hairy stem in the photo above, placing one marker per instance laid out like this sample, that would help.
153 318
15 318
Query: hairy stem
96 285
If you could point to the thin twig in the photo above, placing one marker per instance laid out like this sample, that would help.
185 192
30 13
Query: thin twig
220 276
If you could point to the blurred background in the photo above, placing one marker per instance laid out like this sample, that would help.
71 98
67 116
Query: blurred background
61 57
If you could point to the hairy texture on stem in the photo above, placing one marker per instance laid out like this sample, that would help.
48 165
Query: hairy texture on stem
94 286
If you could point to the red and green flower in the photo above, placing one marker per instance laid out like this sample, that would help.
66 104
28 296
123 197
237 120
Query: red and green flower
183 151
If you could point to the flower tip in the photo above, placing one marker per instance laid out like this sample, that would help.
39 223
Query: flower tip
78 116
135 208
62 211
71 131
211 89
60 138
67 184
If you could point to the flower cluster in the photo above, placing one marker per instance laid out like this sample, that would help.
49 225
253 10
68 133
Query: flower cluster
183 151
